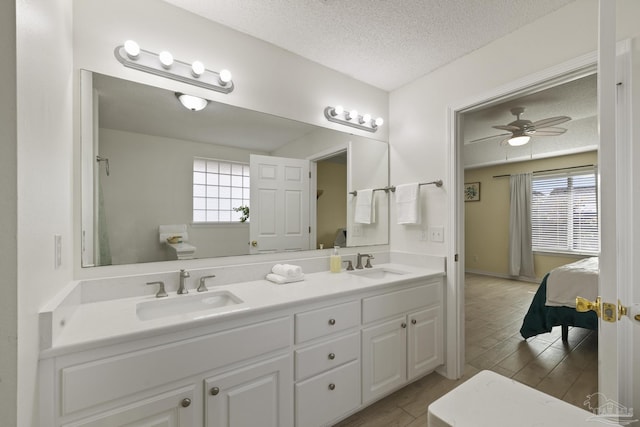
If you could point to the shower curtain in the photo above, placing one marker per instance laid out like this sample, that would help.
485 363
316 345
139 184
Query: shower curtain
520 242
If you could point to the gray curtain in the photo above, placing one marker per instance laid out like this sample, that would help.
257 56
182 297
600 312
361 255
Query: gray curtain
520 247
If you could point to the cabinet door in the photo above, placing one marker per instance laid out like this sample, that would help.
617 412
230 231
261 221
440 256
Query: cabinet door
257 395
425 345
171 409
384 362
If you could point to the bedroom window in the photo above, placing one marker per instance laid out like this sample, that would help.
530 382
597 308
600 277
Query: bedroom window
219 186
564 213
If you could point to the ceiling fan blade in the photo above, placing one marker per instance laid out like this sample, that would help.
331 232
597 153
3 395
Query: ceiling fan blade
506 127
485 138
551 121
549 132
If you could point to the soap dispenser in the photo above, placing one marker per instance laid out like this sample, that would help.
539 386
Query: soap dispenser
335 261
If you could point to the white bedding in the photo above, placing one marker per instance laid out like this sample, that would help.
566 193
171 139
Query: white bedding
565 283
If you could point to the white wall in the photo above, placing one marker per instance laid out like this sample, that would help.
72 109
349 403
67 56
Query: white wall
45 142
267 79
8 216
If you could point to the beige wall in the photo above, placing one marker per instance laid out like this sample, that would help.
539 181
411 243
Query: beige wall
487 221
332 205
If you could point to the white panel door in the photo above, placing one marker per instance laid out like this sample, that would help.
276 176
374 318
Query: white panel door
279 204
384 358
257 395
425 350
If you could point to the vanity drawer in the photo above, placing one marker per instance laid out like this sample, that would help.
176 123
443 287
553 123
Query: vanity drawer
126 374
326 320
325 397
399 302
320 357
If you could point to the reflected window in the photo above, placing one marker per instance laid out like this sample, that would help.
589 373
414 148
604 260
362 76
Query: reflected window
220 191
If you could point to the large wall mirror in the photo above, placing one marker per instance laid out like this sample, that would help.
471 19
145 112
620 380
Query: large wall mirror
160 182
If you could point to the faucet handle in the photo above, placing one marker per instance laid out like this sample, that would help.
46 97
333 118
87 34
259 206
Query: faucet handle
184 273
349 264
161 292
368 264
202 287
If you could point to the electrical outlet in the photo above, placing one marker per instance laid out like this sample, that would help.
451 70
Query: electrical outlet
436 234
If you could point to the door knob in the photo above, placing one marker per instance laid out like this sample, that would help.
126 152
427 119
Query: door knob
584 305
609 312
254 243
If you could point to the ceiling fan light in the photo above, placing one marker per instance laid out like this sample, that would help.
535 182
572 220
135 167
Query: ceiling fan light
516 141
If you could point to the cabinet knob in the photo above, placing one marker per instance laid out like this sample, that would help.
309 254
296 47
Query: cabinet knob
332 356
186 402
214 391
332 321
404 325
414 321
332 386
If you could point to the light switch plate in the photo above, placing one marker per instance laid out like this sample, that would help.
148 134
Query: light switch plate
436 234
57 250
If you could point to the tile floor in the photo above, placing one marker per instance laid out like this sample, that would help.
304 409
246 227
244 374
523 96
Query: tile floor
494 312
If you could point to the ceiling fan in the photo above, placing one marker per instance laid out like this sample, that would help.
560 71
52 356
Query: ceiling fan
521 130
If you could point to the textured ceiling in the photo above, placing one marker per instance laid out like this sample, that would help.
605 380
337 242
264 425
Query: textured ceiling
386 43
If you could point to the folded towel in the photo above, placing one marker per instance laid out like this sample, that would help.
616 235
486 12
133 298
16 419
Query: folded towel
365 209
289 271
276 278
408 203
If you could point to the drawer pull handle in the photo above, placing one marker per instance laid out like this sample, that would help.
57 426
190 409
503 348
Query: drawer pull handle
186 402
332 322
404 325
332 386
214 391
414 321
332 356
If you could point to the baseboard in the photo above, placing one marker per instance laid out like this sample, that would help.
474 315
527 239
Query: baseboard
502 276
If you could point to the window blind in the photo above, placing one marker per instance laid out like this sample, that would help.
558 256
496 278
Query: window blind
564 213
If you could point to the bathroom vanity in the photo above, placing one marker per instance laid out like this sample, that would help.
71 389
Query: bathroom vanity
243 354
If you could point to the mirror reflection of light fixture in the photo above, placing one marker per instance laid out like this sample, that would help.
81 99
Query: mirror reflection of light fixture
190 102
518 138
163 64
351 118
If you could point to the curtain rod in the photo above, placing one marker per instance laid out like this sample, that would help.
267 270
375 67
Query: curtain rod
549 170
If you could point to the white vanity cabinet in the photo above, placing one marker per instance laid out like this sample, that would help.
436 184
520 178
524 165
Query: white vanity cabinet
402 338
327 369
167 384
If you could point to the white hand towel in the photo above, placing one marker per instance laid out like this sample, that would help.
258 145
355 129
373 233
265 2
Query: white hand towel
365 209
280 280
289 271
408 203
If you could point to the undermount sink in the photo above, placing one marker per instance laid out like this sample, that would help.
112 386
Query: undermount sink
184 304
378 273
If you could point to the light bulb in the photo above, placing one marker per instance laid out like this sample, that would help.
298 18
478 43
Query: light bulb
225 77
132 49
166 59
197 68
353 115
379 121
338 110
366 118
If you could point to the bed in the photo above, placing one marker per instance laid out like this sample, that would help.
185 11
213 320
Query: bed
554 302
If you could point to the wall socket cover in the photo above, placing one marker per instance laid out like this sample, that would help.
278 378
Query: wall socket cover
436 234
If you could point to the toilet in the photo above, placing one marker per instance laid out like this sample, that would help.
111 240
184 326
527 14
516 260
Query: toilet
176 239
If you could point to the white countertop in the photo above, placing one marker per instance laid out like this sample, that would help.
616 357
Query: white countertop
111 321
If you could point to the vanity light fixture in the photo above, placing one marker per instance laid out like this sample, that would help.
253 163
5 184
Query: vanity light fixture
163 64
351 118
190 102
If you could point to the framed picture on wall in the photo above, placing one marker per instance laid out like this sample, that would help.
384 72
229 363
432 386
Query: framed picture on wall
472 192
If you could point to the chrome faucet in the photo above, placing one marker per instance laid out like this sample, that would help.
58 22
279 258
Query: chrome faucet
202 287
183 276
359 260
